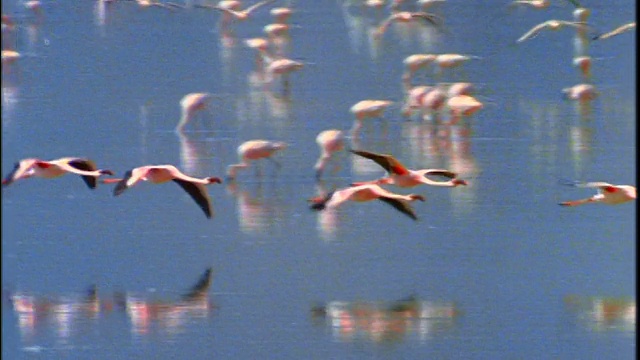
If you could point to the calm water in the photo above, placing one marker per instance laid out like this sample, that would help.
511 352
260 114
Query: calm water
492 270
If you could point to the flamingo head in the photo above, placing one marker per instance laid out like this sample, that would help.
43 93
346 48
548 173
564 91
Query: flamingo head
214 180
458 182
106 172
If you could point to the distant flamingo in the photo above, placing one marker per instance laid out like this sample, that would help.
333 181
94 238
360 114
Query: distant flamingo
158 174
282 67
535 4
607 194
254 150
406 17
463 105
330 142
364 193
414 63
33 167
281 14
581 92
584 64
554 25
401 176
460 88
367 109
190 104
617 31
240 15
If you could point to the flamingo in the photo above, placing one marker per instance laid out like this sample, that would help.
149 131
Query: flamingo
282 67
330 142
414 63
550 25
281 14
190 104
463 105
254 150
584 64
535 4
367 109
607 194
406 17
366 192
617 31
158 174
30 167
581 92
240 15
401 176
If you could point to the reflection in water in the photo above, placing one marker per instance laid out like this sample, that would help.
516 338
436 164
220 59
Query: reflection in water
604 313
9 101
257 215
66 314
70 314
170 316
195 156
386 321
328 219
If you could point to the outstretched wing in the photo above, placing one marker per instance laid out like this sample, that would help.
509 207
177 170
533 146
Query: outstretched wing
428 17
18 171
85 165
388 162
441 172
122 185
401 205
257 5
198 192
533 32
200 287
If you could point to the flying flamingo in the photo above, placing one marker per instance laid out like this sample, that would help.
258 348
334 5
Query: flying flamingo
607 194
31 167
366 192
406 17
535 4
240 15
550 25
624 28
190 104
254 150
401 176
158 174
330 142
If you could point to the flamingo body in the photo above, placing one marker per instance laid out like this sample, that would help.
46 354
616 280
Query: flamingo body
33 167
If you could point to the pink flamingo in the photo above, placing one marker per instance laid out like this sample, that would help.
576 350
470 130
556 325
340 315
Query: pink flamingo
33 167
158 174
364 193
190 104
607 194
254 150
330 142
401 176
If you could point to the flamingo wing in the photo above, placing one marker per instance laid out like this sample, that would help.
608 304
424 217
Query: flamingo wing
430 18
130 178
200 287
19 170
85 165
257 5
441 172
533 32
388 162
400 205
198 192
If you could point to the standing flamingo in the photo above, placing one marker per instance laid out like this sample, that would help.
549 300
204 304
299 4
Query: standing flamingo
367 109
190 104
254 150
364 193
607 194
31 167
330 142
158 174
401 176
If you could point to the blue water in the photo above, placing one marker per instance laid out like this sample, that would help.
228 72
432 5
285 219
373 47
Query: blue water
497 269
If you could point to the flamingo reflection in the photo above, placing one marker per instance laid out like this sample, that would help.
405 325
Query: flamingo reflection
380 321
256 213
170 315
601 313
